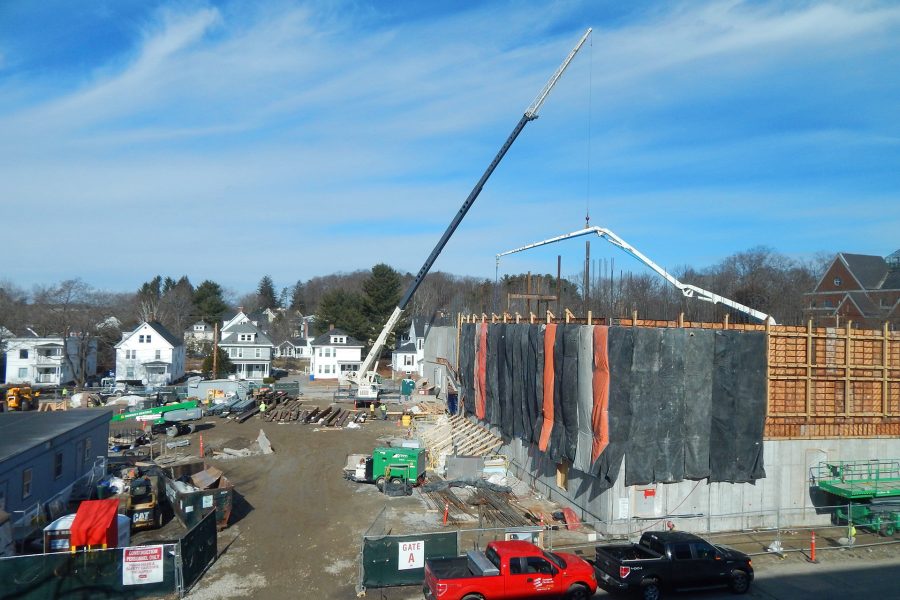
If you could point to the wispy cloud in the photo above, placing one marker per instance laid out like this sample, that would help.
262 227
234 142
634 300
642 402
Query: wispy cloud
316 120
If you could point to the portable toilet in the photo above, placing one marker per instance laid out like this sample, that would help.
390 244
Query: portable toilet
97 524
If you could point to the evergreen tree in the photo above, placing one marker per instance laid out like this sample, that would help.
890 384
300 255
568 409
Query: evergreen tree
224 366
382 295
266 292
343 310
298 301
209 302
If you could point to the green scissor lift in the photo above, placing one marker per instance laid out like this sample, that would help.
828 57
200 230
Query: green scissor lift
871 489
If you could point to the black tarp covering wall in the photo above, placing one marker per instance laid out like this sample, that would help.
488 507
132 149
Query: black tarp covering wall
683 403
738 397
467 367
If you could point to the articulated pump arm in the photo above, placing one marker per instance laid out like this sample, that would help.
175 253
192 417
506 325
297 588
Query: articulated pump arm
366 378
689 291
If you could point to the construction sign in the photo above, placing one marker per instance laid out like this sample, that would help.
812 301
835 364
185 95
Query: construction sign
142 564
411 555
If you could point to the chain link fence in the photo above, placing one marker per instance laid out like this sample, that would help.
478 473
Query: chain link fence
115 572
781 531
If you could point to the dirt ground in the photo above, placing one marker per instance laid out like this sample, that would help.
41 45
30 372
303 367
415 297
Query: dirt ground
297 523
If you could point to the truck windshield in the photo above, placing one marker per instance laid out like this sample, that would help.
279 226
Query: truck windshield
556 559
492 556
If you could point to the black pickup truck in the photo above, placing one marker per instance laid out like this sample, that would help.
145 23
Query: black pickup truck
668 560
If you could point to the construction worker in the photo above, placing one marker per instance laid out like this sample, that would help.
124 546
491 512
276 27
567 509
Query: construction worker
65 392
262 406
384 412
372 410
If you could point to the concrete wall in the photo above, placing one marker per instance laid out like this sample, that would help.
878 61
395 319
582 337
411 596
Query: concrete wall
440 342
785 495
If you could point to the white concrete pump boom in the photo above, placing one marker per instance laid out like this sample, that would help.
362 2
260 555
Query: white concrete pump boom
689 291
367 379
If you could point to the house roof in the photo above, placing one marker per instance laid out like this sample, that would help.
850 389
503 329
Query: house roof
165 333
160 330
418 324
868 270
230 337
892 281
407 348
349 341
863 303
21 431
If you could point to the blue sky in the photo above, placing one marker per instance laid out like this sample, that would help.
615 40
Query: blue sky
227 140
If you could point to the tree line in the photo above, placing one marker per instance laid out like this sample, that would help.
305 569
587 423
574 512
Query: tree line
360 302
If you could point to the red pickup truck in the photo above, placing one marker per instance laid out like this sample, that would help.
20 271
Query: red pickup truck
513 569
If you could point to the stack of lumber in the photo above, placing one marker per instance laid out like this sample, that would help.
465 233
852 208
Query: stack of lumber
456 435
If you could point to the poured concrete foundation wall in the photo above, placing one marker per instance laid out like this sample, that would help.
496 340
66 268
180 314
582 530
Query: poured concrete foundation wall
440 343
783 498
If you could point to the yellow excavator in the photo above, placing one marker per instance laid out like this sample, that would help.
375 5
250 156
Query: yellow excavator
21 398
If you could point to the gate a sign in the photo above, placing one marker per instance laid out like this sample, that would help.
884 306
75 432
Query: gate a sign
142 564
412 555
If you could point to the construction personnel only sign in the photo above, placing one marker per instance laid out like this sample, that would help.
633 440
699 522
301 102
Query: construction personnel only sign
142 564
412 555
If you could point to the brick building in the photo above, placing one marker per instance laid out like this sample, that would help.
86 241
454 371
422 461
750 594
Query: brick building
857 287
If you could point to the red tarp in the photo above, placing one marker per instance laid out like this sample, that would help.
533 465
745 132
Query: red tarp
600 415
549 379
96 524
481 372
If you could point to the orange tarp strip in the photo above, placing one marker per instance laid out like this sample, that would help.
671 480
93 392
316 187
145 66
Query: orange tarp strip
481 372
549 378
600 415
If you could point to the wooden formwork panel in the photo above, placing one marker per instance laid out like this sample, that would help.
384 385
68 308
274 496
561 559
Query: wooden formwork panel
778 429
833 382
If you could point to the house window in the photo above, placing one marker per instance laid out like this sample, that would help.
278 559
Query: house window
827 304
140 339
57 465
23 373
258 352
158 354
407 360
320 352
26 483
838 281
320 369
23 353
327 352
130 354
420 344
129 372
148 339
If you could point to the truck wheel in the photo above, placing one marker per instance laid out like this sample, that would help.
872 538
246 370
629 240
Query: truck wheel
739 583
396 480
379 483
578 592
650 590
472 597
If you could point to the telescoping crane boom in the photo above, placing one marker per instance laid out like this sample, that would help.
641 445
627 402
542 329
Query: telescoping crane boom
366 378
689 291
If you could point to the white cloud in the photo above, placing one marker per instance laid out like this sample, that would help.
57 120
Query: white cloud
314 116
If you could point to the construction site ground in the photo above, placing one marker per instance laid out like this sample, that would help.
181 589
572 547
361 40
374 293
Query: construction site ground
297 523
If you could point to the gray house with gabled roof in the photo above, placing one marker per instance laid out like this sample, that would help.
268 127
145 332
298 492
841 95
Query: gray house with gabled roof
249 349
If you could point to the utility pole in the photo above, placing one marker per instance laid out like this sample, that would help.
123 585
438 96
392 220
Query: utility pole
215 369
